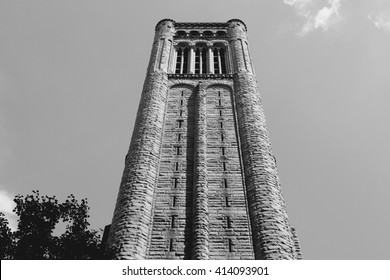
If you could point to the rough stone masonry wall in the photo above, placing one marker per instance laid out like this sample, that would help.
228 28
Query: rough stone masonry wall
172 215
130 227
272 236
230 234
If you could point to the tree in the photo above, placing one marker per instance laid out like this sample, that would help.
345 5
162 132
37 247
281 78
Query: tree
6 239
38 216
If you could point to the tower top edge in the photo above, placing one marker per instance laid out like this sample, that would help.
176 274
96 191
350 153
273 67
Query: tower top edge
195 25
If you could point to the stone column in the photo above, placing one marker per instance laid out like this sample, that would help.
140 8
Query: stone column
219 61
210 60
200 60
272 236
132 219
191 60
200 225
182 60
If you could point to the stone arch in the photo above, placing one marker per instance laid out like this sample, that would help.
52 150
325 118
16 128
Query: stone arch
208 33
183 84
182 44
194 33
221 33
181 33
216 85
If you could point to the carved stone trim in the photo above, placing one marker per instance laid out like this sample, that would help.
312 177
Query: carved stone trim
200 76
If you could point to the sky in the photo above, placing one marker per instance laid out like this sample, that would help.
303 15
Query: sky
71 75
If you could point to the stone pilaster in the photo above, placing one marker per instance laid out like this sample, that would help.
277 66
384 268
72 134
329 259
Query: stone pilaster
272 236
130 228
200 227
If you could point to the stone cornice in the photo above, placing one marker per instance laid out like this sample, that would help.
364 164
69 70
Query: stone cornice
201 25
200 76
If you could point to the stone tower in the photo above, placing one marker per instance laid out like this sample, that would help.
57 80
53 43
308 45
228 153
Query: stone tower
200 179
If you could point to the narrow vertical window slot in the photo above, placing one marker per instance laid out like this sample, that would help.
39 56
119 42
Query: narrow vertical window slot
173 221
174 201
228 222
230 246
219 102
220 113
177 166
223 150
175 182
179 137
225 183
171 245
181 102
227 204
182 93
221 123
181 113
222 137
219 94
180 123
178 151
224 166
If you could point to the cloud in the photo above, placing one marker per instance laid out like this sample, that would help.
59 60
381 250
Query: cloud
7 204
381 21
315 17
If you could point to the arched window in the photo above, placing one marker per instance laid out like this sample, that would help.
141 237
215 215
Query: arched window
178 60
200 60
221 33
194 33
219 60
182 60
208 34
181 33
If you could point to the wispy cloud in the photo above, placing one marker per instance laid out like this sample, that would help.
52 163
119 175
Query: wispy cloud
315 17
7 204
381 21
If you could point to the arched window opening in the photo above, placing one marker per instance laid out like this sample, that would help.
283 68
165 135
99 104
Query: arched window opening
223 62
197 61
201 60
185 62
208 34
178 61
204 61
194 33
216 64
182 60
181 33
221 33
219 60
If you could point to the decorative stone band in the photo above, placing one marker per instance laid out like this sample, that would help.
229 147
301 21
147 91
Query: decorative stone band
201 25
200 76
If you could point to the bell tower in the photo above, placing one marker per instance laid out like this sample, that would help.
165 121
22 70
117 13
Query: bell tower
200 180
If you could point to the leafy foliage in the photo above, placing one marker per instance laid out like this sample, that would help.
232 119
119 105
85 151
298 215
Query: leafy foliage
38 217
6 239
